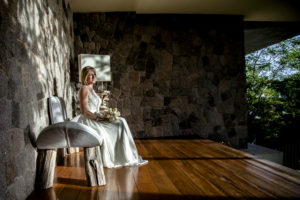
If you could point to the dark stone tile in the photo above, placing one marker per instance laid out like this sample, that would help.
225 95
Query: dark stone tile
15 114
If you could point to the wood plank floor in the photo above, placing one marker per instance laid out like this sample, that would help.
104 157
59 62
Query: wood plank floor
180 169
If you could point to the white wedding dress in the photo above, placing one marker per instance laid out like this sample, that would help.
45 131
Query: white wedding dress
118 147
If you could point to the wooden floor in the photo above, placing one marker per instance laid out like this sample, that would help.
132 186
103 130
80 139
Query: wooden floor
180 169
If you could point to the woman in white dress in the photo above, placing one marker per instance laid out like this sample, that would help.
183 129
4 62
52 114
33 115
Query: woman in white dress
118 148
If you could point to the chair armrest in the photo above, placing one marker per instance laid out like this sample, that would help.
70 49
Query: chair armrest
68 134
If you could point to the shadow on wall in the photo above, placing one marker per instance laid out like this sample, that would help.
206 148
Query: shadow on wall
35 49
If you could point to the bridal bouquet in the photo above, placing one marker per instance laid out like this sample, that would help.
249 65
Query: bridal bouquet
112 114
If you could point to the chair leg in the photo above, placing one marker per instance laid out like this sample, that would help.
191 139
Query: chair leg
94 166
60 158
46 162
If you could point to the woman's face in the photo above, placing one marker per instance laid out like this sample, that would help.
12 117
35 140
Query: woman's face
91 77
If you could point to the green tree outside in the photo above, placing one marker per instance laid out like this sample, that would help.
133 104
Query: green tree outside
273 95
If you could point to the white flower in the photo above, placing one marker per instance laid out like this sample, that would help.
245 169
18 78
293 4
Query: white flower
112 114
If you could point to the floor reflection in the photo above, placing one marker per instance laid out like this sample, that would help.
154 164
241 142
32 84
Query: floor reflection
120 184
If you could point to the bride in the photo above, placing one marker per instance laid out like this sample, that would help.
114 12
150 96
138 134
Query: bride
118 148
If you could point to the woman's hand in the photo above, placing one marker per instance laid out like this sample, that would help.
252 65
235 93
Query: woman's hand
100 116
100 119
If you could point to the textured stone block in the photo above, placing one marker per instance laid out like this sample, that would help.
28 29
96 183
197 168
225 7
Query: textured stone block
17 190
134 79
5 114
3 85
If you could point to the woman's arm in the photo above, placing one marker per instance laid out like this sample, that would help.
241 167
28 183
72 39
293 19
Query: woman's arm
84 94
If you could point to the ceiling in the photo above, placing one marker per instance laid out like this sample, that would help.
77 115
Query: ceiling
252 10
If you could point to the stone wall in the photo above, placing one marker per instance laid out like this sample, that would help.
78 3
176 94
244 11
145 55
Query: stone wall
36 46
173 75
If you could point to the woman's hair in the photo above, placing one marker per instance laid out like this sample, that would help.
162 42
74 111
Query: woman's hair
84 73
